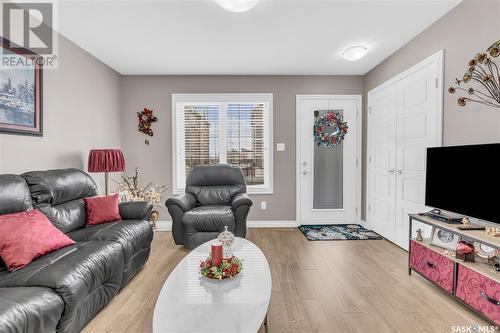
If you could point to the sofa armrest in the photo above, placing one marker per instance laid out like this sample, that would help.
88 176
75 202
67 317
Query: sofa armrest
241 199
185 201
135 210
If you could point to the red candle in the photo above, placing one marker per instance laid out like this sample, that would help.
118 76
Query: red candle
216 253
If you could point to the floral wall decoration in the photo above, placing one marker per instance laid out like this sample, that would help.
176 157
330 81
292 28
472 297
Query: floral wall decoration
146 118
330 129
481 81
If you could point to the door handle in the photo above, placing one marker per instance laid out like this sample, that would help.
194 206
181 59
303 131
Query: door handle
304 172
398 172
391 171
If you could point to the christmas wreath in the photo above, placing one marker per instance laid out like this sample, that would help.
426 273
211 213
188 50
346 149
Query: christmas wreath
227 269
329 138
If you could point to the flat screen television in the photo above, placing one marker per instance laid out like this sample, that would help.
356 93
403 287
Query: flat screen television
465 180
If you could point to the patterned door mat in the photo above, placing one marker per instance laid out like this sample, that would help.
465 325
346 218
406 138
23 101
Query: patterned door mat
337 232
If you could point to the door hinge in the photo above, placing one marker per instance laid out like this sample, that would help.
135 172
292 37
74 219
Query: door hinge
436 83
356 210
369 208
370 159
370 110
356 161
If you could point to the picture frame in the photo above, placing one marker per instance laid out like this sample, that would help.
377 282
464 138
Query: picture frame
444 239
21 92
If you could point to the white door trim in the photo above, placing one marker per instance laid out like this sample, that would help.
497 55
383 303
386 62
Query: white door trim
358 100
439 57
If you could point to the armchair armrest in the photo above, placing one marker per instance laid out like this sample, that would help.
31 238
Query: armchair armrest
241 199
135 210
185 201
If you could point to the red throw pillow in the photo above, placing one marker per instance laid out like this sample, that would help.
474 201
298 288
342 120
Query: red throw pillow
102 209
26 236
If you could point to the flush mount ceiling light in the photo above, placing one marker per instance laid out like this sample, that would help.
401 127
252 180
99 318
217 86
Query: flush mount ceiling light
354 52
237 6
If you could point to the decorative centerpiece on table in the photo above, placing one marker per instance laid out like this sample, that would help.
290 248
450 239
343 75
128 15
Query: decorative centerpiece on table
221 263
131 190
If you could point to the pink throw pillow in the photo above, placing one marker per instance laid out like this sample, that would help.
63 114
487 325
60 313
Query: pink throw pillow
102 209
26 236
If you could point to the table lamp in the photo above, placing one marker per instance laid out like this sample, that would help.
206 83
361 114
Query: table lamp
106 160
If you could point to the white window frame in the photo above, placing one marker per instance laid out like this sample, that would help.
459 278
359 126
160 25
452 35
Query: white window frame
267 99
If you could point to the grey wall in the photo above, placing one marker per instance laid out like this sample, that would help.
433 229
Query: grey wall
155 92
470 27
80 111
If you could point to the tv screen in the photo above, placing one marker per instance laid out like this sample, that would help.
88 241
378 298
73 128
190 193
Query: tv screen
465 180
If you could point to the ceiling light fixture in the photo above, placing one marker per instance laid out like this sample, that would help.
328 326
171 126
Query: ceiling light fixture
237 6
354 52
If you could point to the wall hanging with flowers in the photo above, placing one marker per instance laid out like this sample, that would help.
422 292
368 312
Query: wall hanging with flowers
146 118
330 129
482 78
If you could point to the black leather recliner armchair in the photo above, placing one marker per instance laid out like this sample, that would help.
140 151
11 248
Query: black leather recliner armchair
215 197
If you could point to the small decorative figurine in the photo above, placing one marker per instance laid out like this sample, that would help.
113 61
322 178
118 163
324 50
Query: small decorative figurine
419 235
227 239
465 251
492 231
466 221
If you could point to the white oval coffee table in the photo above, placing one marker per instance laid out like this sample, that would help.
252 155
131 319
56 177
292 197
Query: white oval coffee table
189 302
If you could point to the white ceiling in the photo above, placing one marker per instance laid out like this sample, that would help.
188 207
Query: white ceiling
275 37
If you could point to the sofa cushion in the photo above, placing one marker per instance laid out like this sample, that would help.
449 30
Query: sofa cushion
28 235
132 235
54 187
102 209
29 309
59 195
208 218
14 194
85 275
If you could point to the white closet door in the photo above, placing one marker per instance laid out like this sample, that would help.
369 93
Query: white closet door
418 127
405 117
382 161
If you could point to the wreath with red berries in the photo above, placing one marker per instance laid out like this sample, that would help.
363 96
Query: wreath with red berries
227 269
330 129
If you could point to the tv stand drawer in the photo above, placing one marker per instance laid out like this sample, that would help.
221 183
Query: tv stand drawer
480 292
432 265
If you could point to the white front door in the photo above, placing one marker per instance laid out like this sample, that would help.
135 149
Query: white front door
328 181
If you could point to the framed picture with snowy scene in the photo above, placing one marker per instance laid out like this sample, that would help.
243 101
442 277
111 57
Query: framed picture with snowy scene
20 90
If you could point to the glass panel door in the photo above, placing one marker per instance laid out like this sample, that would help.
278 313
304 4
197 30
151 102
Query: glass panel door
328 189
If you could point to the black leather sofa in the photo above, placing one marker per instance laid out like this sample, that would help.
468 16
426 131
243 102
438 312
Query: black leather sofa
215 197
62 291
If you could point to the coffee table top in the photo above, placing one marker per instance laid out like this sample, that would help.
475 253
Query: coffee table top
189 302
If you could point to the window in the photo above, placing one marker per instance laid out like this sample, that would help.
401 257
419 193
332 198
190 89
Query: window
223 128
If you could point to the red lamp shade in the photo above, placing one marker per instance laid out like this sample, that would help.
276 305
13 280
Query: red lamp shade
106 160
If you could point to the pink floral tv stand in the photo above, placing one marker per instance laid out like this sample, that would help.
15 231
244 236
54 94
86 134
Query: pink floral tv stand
475 284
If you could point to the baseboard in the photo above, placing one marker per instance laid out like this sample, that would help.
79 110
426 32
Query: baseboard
167 225
272 224
164 225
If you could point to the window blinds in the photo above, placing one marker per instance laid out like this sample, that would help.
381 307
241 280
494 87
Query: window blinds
230 132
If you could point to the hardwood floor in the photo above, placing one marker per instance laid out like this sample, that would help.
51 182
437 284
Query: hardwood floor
329 286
